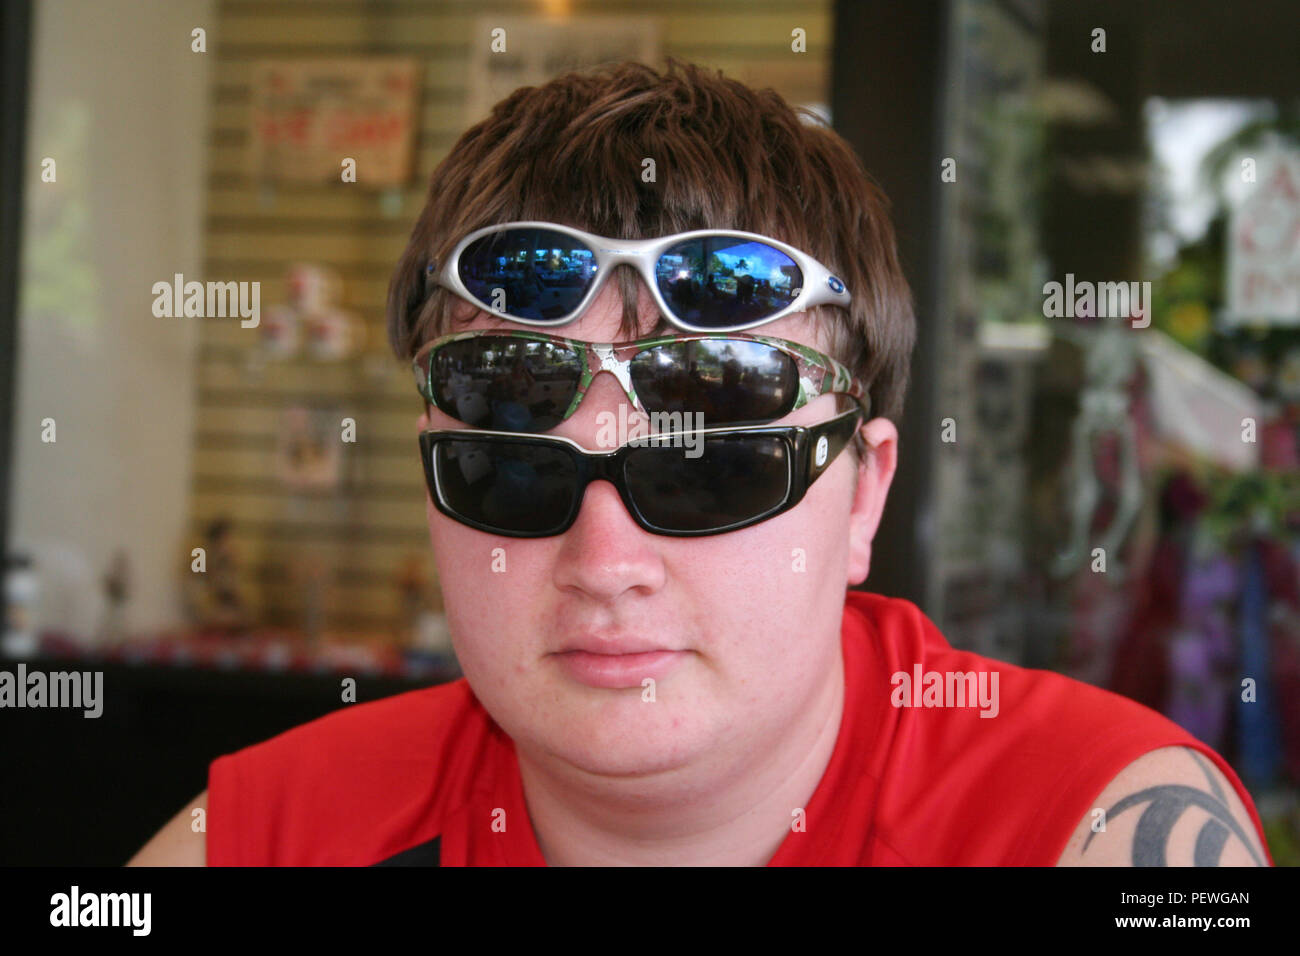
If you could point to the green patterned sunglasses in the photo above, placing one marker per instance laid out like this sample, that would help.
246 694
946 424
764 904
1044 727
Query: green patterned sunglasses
518 381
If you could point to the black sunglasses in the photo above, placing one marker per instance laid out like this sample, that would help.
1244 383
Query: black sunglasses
532 486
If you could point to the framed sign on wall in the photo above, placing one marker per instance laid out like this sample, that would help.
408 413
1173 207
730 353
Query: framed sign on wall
310 117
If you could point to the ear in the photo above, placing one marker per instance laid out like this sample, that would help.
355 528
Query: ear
875 473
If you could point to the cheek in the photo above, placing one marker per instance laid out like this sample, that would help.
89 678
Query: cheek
482 613
471 567
490 587
797 554
770 583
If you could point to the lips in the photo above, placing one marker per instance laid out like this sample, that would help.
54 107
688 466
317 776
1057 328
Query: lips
617 662
606 644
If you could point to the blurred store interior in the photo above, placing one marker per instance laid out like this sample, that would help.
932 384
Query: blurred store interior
1112 496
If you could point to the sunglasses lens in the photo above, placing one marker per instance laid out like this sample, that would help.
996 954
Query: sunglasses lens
727 381
511 487
730 481
720 282
528 273
505 383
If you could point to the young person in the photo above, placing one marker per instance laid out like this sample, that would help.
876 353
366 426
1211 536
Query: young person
664 662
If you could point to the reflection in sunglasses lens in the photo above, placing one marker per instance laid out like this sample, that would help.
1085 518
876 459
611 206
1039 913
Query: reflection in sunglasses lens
727 381
508 485
519 487
734 480
528 273
724 282
505 383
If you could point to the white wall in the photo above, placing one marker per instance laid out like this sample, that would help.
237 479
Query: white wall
120 102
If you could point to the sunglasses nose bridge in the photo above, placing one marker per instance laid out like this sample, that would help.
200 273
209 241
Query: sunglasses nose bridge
637 255
609 467
607 361
605 467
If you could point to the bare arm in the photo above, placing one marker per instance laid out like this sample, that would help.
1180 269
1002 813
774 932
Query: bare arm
1171 807
176 844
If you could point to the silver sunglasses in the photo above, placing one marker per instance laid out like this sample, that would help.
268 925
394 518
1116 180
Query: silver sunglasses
707 280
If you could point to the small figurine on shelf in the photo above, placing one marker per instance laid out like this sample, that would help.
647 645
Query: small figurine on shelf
215 598
308 453
21 590
311 319
117 583
310 579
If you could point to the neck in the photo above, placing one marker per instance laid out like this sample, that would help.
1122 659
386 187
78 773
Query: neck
726 809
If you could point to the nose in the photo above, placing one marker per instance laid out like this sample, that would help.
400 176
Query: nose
605 554
601 406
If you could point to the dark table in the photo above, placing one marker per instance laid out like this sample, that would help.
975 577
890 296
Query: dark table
77 791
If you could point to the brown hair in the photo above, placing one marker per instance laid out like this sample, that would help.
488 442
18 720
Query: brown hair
726 156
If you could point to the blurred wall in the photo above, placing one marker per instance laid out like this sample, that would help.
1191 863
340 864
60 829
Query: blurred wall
119 102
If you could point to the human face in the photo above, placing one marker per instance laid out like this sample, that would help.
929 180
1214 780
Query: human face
738 632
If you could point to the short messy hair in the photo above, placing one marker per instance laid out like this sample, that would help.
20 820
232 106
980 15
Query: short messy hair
726 156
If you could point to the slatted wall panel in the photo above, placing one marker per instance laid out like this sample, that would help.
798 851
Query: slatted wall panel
363 535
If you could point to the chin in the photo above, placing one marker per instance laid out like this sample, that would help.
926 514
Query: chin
637 759
625 741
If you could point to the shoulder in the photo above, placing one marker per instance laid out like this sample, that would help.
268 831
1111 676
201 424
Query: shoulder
363 730
1174 806
180 841
348 784
371 735
1024 705
1011 770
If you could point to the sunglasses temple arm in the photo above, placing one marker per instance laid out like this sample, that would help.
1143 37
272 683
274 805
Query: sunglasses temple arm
420 365
838 432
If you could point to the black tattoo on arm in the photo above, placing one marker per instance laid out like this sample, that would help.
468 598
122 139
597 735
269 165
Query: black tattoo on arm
1166 804
1205 769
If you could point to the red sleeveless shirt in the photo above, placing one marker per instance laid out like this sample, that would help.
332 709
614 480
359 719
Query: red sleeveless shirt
419 778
